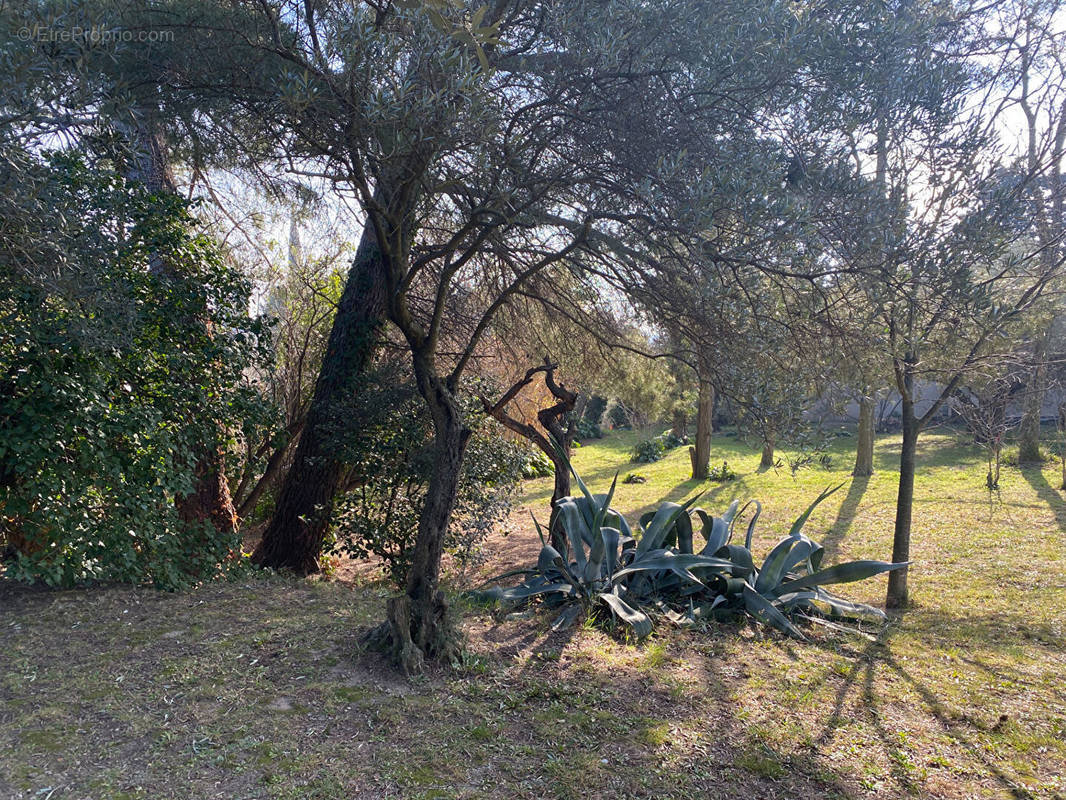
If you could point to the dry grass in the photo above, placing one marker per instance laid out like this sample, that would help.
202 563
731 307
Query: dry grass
254 689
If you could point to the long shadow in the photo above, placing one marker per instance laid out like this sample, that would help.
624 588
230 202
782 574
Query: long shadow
845 516
1034 476
863 673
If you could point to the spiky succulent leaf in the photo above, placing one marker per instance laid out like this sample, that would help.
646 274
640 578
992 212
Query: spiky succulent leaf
801 520
762 609
841 573
660 525
634 618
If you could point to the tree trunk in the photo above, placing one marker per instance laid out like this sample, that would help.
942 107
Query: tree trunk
679 426
767 459
700 453
901 540
294 538
864 453
1029 431
429 633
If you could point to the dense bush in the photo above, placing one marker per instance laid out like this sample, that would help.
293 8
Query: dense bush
594 410
654 449
659 573
537 464
124 342
619 417
648 451
588 430
390 462
721 474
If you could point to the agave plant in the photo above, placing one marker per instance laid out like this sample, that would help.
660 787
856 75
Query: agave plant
602 561
659 571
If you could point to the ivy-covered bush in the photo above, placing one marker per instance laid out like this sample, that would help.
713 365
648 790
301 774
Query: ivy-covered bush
657 572
537 464
390 462
124 342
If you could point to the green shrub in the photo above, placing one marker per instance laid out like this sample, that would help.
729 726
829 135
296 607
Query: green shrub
670 441
648 451
651 450
537 465
588 430
594 410
619 417
390 457
115 375
658 572
721 474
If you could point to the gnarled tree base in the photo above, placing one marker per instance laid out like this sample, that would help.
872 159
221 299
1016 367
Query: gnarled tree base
410 639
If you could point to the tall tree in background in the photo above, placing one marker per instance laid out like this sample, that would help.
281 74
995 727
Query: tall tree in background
1036 80
951 273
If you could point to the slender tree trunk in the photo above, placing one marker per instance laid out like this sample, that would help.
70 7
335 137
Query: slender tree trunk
1029 430
767 459
419 621
700 453
294 537
864 453
901 540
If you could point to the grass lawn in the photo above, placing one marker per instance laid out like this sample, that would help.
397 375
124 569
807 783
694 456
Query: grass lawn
255 688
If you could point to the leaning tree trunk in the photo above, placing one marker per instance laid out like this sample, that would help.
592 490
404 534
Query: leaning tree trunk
700 452
294 537
864 451
418 621
901 540
1029 430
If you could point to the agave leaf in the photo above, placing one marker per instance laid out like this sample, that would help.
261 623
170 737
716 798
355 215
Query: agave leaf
801 520
637 620
835 627
788 554
566 619
540 531
679 564
611 538
762 609
601 511
715 531
751 523
661 524
740 558
525 592
549 557
645 519
574 523
771 570
841 573
845 608
683 526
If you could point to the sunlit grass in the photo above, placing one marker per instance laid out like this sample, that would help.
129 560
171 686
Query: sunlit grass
258 690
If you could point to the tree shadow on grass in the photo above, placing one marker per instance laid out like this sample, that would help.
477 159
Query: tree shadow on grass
845 516
1034 476
964 731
